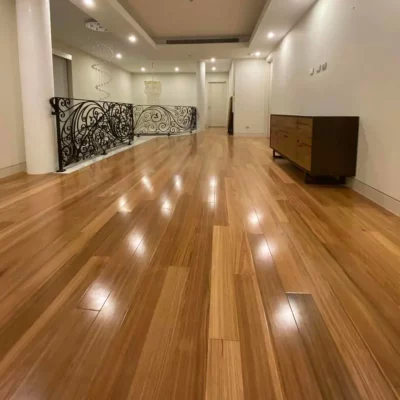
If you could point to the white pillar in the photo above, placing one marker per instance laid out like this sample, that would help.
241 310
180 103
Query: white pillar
37 87
202 103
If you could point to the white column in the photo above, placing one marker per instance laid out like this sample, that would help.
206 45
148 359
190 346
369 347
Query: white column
37 87
202 103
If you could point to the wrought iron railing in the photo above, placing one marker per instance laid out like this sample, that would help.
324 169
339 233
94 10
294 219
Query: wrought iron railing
87 128
163 120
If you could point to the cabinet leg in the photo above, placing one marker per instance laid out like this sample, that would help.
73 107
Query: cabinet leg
276 155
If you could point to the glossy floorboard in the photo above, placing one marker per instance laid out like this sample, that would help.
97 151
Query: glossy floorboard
196 268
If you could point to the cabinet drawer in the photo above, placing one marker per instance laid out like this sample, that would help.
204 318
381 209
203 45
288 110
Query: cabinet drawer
304 135
304 121
289 124
283 142
274 138
277 140
305 130
277 121
303 156
283 123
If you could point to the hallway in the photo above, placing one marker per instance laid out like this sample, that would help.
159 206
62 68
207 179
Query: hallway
196 267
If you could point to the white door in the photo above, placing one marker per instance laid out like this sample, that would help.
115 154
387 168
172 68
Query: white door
60 74
217 104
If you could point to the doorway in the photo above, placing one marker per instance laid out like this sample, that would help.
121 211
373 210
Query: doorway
61 76
217 104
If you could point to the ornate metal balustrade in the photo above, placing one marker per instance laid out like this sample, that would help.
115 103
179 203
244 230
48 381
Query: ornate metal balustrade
163 120
87 128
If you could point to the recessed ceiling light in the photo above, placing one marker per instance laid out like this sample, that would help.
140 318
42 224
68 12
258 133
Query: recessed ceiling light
132 38
213 60
176 69
213 68
89 3
257 54
143 69
271 35
118 55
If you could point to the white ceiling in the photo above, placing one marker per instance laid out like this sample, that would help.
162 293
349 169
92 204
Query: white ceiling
197 18
69 17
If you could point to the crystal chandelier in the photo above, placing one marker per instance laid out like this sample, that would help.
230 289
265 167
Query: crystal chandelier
152 90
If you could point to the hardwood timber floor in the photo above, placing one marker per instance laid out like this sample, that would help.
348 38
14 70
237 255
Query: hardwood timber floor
195 267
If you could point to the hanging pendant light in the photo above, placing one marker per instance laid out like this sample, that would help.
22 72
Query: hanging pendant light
152 89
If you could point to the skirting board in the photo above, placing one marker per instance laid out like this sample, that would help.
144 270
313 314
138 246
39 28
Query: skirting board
263 135
374 195
13 169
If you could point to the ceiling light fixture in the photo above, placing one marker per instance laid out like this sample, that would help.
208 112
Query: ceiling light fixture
132 39
213 60
118 55
89 3
94 25
213 68
257 54
271 35
143 69
176 69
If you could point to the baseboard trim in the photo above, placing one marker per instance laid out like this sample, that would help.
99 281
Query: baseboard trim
13 169
251 135
382 199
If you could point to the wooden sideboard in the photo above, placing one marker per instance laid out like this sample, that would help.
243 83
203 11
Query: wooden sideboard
321 146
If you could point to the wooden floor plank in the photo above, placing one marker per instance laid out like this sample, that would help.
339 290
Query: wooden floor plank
333 377
298 377
123 349
123 318
335 296
260 373
224 371
41 381
214 227
223 312
185 377
156 350
10 365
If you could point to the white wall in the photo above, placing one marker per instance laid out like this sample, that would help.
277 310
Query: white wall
12 153
217 77
267 94
85 78
177 88
250 97
360 41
